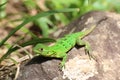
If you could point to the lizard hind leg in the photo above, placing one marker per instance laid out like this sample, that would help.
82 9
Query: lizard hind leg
87 47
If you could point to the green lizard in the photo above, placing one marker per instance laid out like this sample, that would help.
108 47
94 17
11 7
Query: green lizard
63 45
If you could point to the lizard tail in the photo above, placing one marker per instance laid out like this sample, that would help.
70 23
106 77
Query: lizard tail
86 32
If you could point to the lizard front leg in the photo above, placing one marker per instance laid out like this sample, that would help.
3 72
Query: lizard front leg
64 58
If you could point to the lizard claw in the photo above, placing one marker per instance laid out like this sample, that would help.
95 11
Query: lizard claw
62 66
88 52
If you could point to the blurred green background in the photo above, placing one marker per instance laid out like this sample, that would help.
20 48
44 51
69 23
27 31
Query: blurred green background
49 24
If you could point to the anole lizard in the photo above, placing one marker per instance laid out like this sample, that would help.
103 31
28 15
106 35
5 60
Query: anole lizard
63 45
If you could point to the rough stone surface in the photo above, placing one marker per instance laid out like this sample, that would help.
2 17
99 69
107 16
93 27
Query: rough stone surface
105 45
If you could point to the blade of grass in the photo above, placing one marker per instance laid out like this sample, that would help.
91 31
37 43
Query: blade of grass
3 4
2 8
14 61
32 18
31 42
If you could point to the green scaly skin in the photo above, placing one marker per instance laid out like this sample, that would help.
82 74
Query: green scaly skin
63 45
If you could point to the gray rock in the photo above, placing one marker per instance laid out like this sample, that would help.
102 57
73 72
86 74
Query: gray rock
105 45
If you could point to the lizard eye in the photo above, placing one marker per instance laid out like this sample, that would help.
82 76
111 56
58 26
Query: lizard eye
41 49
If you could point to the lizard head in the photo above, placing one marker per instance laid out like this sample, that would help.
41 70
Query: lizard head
41 49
